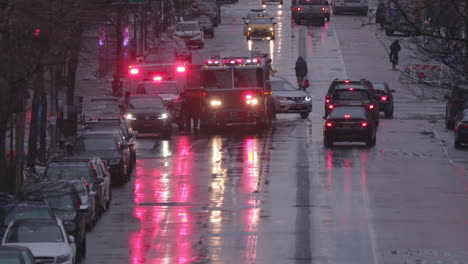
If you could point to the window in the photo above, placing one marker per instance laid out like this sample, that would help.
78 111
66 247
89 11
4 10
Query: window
187 27
261 21
354 112
282 86
248 78
161 88
95 143
217 79
35 233
146 102
351 95
312 2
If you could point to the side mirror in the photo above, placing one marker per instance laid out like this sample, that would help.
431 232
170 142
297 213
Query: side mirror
71 239
84 208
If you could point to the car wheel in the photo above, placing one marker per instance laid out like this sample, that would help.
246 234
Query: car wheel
457 144
369 141
121 177
387 113
305 115
327 142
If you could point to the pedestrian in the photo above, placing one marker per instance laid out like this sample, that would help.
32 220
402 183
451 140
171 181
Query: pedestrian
394 49
301 72
117 85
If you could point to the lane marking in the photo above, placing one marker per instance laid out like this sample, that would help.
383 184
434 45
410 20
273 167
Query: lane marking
340 54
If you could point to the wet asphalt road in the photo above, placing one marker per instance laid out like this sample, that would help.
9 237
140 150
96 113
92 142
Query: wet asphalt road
238 196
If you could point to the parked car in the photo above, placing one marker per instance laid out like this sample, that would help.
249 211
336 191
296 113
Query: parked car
349 123
385 97
102 105
212 10
117 122
461 128
191 32
45 238
16 255
65 202
457 97
207 25
109 145
27 207
97 181
288 99
148 114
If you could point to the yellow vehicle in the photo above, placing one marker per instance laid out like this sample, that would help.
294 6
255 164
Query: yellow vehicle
260 27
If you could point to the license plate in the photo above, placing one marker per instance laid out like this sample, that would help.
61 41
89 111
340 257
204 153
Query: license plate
346 126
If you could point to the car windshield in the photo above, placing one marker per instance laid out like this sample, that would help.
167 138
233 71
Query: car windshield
243 78
35 233
353 112
351 95
260 21
161 88
148 102
313 2
61 201
282 86
187 27
95 143
67 173
26 212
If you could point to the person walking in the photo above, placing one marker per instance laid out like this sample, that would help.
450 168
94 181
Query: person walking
301 72
394 49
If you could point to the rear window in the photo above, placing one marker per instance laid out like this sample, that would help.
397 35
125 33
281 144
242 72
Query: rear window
351 95
353 112
311 2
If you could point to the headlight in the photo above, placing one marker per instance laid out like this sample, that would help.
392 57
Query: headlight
249 29
163 116
307 98
252 101
69 226
215 102
114 162
130 117
63 258
271 29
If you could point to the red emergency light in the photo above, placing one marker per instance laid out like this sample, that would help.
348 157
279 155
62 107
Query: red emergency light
157 78
133 71
180 69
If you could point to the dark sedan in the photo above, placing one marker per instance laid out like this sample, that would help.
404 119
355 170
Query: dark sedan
110 147
385 97
461 128
207 25
349 123
148 114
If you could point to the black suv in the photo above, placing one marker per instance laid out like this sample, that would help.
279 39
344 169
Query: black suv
457 97
105 123
65 201
14 208
361 84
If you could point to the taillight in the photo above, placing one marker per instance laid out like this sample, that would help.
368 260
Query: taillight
323 9
329 124
327 101
330 106
346 81
364 124
157 78
248 97
383 98
347 116
298 9
180 69
371 106
351 89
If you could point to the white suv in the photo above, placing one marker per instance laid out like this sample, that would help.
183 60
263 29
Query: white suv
191 32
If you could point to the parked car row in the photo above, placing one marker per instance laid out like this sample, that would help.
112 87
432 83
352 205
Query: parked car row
456 114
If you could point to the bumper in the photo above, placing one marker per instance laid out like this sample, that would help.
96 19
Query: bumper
191 41
293 108
151 126
260 33
343 134
311 16
233 116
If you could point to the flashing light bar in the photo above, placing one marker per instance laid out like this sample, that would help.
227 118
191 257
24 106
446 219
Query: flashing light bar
157 78
233 61
180 69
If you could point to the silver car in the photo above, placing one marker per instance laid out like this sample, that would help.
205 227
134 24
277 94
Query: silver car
288 99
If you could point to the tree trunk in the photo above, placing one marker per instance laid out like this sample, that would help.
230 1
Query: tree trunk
43 130
72 64
33 131
119 37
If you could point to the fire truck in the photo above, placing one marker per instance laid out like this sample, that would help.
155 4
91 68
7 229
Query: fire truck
138 73
236 90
